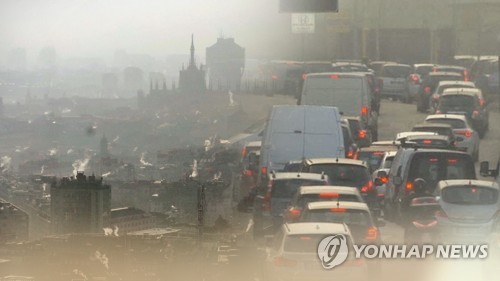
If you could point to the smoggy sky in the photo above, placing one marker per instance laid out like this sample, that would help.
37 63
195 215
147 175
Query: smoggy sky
156 27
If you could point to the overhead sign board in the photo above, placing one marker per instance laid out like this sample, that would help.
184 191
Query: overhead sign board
303 23
308 6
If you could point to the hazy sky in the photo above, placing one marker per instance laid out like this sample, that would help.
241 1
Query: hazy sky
156 27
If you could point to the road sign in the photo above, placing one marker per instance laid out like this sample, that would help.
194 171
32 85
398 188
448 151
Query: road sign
303 23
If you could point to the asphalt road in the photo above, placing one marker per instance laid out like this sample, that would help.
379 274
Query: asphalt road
397 117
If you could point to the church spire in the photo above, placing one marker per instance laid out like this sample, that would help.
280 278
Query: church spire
191 60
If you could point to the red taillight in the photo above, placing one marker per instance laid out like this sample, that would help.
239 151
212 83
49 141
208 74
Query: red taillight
452 161
304 76
409 186
362 134
435 97
338 210
284 262
350 154
364 111
274 77
263 170
328 195
244 152
415 78
466 75
248 173
481 102
427 90
440 214
427 141
466 133
372 234
293 214
438 111
334 76
367 187
475 114
384 179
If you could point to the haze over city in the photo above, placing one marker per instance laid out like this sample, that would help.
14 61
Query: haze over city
155 27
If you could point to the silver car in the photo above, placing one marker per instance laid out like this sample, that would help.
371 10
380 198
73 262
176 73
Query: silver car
466 138
469 209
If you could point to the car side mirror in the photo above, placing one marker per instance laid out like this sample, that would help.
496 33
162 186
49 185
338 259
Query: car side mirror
397 180
484 169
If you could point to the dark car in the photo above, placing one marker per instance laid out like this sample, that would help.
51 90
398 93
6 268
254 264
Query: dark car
453 68
351 148
374 155
429 85
468 104
431 165
361 135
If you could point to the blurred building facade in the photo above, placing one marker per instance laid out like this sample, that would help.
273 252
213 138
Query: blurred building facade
80 205
14 223
225 64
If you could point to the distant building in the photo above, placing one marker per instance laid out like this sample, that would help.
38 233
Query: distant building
109 85
133 79
192 79
14 223
129 219
225 64
80 205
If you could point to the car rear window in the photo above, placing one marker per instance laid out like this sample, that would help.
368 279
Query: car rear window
396 71
287 188
456 101
343 174
326 196
373 158
454 123
337 215
388 162
433 167
469 195
442 88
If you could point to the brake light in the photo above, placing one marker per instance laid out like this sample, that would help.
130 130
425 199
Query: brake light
284 262
435 97
263 170
466 133
415 78
367 187
338 210
293 214
350 154
372 234
427 90
384 179
334 76
427 141
364 111
362 134
466 75
440 214
438 111
274 77
328 195
475 114
409 186
481 102
248 173
244 152
378 153
304 76
452 161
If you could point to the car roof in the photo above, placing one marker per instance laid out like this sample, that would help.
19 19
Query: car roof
444 73
292 175
446 116
316 228
315 189
459 93
449 66
396 64
423 64
407 134
337 204
345 74
432 125
385 143
446 183
378 148
448 82
431 137
475 91
312 161
253 143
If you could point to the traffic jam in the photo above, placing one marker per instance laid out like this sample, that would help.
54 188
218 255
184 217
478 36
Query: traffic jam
323 166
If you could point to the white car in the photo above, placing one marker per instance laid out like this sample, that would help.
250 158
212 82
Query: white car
293 254
444 85
469 209
403 135
466 138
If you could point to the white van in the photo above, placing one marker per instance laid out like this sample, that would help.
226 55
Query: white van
295 132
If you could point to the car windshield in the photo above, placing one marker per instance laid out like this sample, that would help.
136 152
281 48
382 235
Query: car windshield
454 123
288 187
469 195
373 158
343 174
433 167
346 93
396 71
337 215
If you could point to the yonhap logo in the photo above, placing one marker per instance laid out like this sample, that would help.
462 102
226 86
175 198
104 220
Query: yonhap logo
333 250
